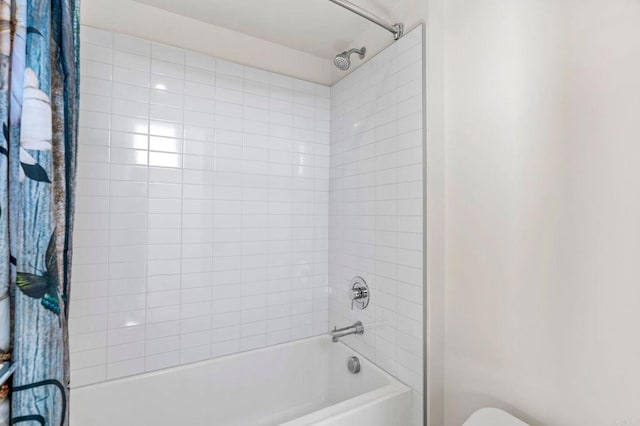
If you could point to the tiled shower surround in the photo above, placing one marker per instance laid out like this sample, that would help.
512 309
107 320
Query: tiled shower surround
217 212
376 207
202 209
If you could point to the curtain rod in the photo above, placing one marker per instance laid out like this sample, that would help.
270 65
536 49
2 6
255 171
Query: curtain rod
396 29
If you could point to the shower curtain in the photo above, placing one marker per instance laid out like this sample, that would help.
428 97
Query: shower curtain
38 132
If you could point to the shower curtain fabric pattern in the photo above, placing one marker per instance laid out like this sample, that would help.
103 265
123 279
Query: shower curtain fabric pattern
38 119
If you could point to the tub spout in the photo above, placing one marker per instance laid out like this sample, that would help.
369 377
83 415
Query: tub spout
337 333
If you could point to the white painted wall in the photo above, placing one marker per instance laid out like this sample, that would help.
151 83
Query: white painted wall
139 20
435 213
542 207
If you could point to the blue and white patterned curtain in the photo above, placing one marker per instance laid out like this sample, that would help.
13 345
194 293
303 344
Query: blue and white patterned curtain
38 122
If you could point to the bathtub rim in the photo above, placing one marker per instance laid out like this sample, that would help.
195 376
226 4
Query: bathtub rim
358 402
176 368
390 389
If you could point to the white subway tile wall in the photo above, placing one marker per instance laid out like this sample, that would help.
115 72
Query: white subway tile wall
376 204
202 218
215 205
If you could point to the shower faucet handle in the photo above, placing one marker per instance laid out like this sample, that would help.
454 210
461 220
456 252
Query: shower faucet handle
359 293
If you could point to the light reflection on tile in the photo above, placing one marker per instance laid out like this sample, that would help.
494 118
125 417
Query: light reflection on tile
164 159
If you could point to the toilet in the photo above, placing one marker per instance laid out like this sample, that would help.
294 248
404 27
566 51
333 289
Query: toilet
493 417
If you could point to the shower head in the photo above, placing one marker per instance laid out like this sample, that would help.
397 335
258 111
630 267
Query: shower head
342 60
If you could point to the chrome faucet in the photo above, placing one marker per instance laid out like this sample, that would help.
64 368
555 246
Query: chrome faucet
337 333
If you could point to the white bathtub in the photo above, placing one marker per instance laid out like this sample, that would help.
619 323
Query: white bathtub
300 383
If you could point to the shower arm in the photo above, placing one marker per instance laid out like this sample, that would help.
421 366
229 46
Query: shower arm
396 29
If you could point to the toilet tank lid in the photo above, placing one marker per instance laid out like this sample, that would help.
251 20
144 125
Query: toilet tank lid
493 417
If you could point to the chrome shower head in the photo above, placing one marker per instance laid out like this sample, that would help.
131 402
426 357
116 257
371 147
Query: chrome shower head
342 60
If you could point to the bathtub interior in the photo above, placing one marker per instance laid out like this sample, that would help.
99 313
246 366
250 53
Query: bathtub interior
262 387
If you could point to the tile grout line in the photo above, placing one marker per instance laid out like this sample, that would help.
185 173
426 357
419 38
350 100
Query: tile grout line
108 254
147 214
